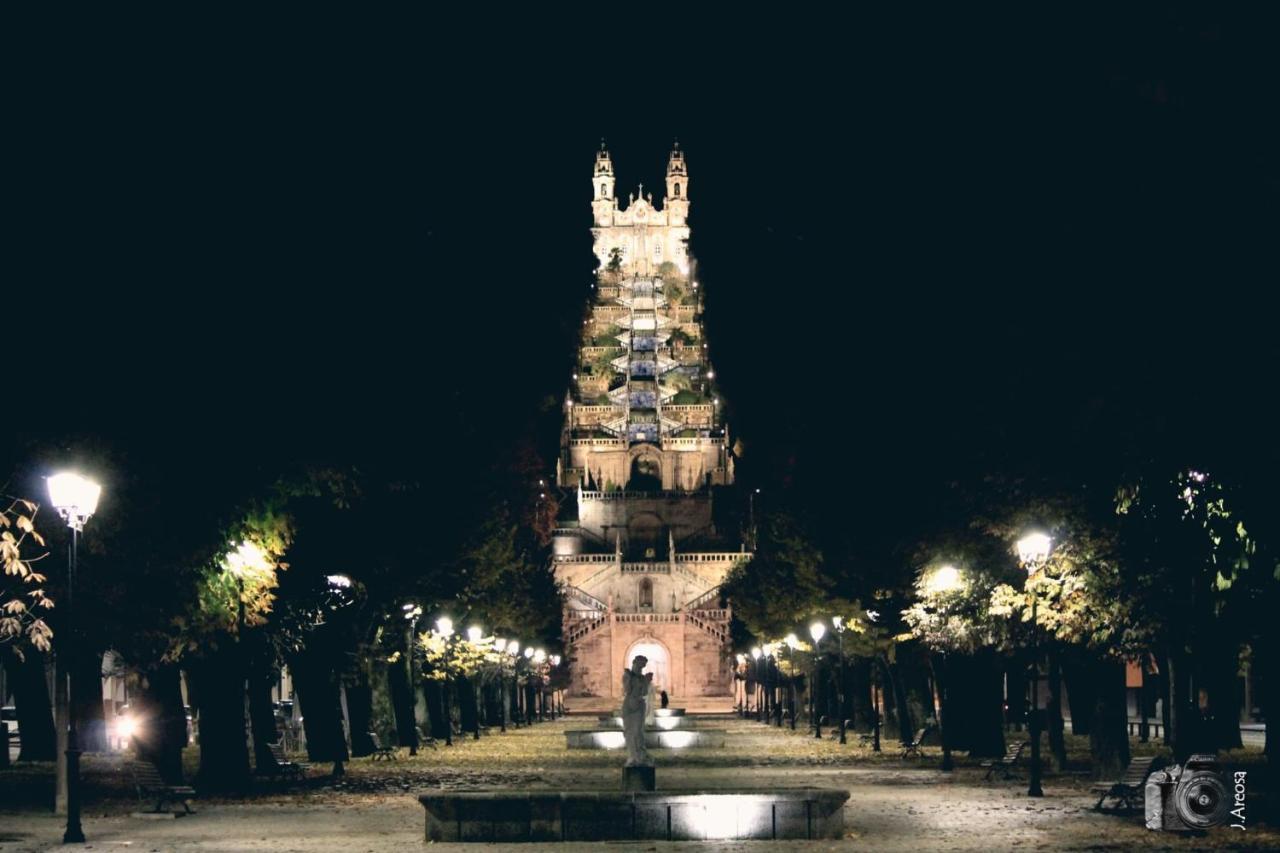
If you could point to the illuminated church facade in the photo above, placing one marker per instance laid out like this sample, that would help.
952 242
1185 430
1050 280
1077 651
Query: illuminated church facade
644 543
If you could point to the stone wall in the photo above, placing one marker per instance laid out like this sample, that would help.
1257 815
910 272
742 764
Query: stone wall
698 664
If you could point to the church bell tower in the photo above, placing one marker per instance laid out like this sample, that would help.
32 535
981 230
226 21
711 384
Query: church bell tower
603 201
677 201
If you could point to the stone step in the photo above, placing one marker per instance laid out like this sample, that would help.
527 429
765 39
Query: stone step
675 815
659 723
653 738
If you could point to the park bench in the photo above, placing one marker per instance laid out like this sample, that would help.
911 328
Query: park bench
284 767
1127 791
149 783
913 748
1005 764
379 751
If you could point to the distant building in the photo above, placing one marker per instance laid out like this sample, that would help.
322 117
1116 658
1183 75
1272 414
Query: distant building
642 548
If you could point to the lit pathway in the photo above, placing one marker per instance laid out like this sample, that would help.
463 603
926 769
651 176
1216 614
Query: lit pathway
894 805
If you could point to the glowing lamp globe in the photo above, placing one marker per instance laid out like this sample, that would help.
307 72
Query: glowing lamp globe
944 579
1033 548
513 648
817 630
791 640
444 626
755 653
528 653
74 497
474 633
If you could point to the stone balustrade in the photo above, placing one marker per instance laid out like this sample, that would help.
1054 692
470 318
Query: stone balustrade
646 617
713 557
652 568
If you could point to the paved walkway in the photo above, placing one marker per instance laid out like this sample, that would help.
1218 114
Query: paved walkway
894 806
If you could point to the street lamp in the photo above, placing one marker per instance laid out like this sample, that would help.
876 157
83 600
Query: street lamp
412 612
557 698
444 627
513 652
75 498
759 691
1033 553
838 623
942 580
793 642
817 631
475 634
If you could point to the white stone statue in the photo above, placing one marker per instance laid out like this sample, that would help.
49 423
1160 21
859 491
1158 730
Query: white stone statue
636 687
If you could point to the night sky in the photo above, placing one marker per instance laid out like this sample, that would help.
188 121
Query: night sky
929 249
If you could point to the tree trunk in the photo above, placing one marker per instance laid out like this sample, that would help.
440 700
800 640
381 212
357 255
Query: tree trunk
402 696
1080 689
1016 691
860 672
262 715
360 714
1057 743
1164 688
469 719
433 691
86 694
224 751
1109 728
31 700
161 730
1219 674
317 690
975 715
906 721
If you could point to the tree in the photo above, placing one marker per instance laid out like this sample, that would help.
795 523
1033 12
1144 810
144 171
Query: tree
1188 555
615 260
783 583
23 601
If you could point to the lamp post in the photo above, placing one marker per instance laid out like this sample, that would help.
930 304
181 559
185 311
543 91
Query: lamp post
540 699
943 580
1033 552
444 627
817 631
474 636
75 498
500 649
513 652
792 642
557 702
411 614
878 692
530 706
759 691
838 623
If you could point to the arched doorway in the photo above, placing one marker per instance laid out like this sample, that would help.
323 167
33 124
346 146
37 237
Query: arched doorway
659 662
646 473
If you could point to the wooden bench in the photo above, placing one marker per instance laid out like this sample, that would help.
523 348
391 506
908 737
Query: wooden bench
381 752
285 768
149 783
1127 791
1006 764
913 748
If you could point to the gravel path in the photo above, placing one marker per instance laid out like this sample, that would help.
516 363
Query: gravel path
892 807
